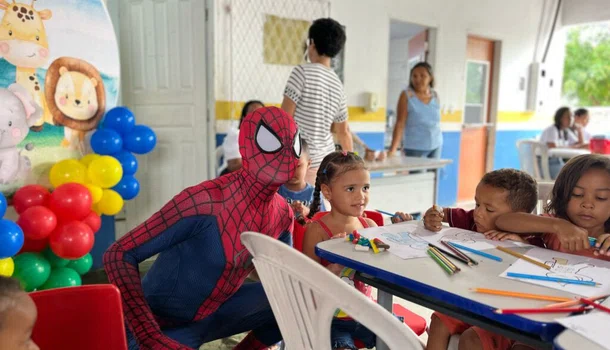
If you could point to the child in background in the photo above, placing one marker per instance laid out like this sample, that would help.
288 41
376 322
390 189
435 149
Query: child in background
344 181
298 193
17 316
499 192
579 208
230 144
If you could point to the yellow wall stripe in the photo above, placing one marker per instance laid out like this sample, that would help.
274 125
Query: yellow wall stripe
515 117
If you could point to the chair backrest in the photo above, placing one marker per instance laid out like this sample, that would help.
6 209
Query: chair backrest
544 191
529 151
373 215
304 297
75 318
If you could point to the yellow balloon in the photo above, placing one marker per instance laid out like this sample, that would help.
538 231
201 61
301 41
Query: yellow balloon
67 170
105 171
111 203
7 266
96 209
87 159
96 192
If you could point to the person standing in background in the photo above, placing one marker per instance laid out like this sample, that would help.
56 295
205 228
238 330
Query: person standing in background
418 124
314 95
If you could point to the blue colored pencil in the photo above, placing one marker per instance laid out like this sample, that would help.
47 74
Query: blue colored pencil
592 241
551 279
474 251
385 212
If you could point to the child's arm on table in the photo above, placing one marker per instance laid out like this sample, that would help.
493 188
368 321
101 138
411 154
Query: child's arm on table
314 234
570 237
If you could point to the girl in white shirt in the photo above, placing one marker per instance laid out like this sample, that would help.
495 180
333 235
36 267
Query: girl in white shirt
561 135
230 144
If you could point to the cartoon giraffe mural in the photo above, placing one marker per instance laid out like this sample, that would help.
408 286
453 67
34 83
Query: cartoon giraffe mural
24 44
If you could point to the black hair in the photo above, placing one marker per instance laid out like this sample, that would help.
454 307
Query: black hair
8 288
244 111
581 112
567 179
328 36
333 165
428 69
557 120
522 188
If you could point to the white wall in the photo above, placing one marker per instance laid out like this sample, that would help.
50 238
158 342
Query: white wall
398 74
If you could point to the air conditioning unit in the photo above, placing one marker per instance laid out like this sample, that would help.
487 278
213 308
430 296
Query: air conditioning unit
539 88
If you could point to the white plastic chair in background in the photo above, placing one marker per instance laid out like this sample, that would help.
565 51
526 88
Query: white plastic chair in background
544 191
529 150
304 297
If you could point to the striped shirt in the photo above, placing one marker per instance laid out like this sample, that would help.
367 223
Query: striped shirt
320 101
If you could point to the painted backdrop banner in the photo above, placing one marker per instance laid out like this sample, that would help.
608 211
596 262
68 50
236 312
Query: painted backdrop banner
59 73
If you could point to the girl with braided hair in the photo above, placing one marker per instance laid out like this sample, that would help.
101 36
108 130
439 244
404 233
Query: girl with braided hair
344 181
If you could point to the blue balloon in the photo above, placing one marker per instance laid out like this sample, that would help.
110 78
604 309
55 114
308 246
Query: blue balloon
128 162
140 140
106 141
128 187
3 205
119 119
11 238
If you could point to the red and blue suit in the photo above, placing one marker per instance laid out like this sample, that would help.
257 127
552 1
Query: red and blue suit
195 292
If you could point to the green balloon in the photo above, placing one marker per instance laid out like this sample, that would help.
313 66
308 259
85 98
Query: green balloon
32 269
62 277
53 259
82 265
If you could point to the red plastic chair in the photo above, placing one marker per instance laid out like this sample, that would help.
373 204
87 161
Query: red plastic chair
373 215
75 318
298 234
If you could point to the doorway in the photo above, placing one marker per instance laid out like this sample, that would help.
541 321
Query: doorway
410 44
478 126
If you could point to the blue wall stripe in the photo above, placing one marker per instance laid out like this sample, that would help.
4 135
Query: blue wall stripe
506 154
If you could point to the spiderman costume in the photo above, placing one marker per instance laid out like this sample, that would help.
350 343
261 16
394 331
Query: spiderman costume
195 292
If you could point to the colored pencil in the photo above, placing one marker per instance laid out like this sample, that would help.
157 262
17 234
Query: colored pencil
523 257
574 302
507 293
551 279
440 262
592 241
385 213
446 260
595 305
459 253
478 252
540 311
459 258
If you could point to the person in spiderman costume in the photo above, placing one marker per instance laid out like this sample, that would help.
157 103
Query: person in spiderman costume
195 292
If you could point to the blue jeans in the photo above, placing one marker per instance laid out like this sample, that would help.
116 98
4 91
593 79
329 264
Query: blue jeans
247 310
344 331
435 153
555 165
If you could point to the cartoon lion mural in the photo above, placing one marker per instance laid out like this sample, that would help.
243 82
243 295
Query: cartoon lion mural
75 95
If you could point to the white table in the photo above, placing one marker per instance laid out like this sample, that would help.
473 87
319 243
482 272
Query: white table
570 340
423 282
395 188
567 153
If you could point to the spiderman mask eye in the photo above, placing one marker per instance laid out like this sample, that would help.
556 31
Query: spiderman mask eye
266 139
297 145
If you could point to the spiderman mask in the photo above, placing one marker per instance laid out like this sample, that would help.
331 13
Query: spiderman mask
270 145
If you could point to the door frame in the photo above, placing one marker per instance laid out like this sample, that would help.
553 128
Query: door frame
210 14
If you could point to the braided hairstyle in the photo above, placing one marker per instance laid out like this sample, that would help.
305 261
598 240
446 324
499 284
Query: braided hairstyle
333 165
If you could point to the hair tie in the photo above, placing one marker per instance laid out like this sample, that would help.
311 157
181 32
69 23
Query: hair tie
324 171
344 153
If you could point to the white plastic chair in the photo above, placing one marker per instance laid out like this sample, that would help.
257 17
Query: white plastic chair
304 297
544 191
529 150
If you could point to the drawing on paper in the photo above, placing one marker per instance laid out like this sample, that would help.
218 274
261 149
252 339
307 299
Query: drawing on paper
406 239
561 269
460 236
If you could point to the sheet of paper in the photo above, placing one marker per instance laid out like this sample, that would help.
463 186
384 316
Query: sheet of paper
593 326
565 265
410 239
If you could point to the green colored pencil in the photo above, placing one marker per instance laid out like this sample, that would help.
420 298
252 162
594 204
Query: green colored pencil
440 262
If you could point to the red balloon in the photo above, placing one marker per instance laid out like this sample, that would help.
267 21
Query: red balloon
30 196
72 240
70 201
34 245
94 221
37 222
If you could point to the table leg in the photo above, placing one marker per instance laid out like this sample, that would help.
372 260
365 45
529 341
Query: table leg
385 300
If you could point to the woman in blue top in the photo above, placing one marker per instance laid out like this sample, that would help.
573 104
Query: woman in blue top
419 116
